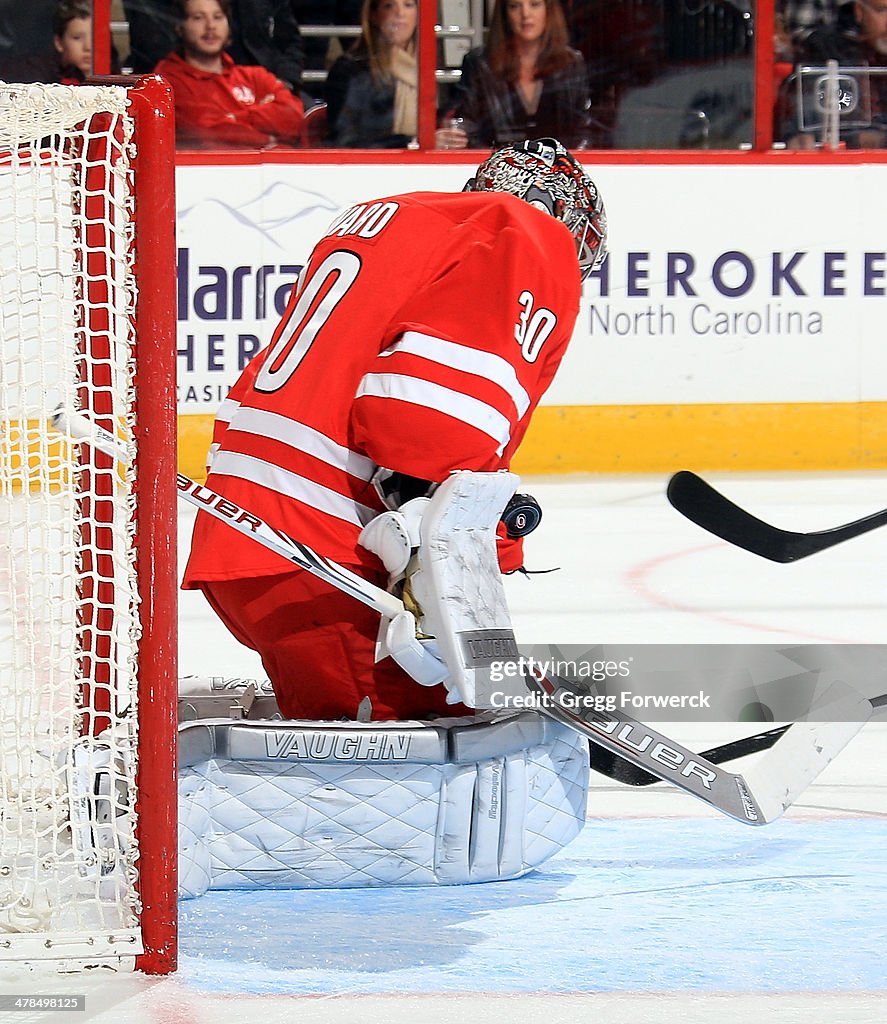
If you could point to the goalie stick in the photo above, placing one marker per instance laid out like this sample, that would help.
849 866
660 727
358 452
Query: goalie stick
629 774
757 798
617 768
708 508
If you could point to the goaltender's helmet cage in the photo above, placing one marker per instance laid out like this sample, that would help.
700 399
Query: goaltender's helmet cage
547 176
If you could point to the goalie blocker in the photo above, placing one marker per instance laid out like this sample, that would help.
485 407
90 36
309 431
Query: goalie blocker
440 553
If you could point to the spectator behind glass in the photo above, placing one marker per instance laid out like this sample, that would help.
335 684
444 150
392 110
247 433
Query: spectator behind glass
859 40
372 92
72 39
263 32
526 83
218 102
69 61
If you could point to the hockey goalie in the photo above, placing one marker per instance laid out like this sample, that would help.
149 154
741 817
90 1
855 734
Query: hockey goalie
378 427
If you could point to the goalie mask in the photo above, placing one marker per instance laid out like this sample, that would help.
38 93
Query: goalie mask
547 176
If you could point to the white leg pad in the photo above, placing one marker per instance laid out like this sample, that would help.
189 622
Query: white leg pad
343 804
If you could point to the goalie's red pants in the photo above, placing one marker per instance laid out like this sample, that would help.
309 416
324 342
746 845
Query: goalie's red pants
317 645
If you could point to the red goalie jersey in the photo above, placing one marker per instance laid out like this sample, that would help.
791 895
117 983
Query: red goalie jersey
422 334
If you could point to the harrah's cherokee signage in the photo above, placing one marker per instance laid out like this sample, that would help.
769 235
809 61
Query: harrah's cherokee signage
723 284
225 315
734 293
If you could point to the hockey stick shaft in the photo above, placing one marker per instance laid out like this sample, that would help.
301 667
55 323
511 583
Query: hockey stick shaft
629 774
756 797
639 744
294 551
242 521
708 508
84 429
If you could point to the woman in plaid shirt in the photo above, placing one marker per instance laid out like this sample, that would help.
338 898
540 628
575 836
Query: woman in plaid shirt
526 83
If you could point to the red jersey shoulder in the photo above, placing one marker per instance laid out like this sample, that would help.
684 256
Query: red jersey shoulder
486 214
493 212
433 227
537 243
452 264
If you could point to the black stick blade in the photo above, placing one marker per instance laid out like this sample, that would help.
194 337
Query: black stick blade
708 508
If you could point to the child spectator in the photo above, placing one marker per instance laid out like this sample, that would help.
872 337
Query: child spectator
72 39
69 62
218 102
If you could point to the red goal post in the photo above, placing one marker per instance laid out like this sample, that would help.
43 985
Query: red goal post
88 621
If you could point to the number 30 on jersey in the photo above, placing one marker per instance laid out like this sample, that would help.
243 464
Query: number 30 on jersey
533 326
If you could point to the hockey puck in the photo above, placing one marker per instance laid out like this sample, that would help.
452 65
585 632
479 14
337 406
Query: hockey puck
522 515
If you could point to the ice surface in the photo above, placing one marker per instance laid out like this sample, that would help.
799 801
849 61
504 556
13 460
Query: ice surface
631 906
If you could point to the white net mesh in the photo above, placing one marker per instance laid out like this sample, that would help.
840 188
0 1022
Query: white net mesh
68 601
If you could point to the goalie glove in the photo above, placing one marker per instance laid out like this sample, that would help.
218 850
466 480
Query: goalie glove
392 536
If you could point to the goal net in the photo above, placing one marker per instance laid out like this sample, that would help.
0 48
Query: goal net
87 664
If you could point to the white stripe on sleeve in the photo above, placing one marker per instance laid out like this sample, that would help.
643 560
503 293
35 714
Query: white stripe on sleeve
470 360
444 400
291 485
226 410
304 439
